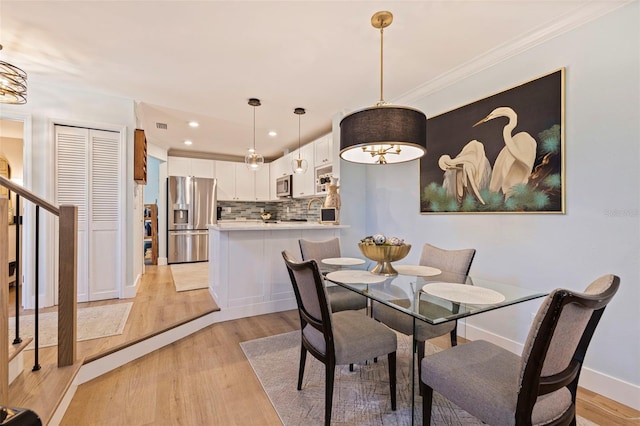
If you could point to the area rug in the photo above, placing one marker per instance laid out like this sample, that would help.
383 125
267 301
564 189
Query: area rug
93 323
360 397
190 276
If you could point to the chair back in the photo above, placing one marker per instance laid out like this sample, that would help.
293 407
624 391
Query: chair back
311 294
557 342
455 261
319 250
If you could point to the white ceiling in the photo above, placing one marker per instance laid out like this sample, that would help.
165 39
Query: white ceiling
203 60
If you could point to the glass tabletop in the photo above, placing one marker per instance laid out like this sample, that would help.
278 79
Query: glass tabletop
438 298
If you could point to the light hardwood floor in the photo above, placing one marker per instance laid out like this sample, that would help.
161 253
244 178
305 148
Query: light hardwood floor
205 379
157 306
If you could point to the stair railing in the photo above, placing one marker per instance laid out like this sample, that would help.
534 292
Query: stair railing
67 280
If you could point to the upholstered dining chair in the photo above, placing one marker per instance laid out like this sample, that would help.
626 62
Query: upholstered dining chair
457 264
338 338
539 387
341 299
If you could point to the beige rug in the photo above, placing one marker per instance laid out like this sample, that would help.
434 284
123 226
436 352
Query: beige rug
190 276
93 323
360 397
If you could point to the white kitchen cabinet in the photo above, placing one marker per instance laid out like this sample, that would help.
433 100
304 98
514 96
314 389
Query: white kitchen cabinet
323 150
203 168
245 183
237 183
263 184
197 167
226 175
304 183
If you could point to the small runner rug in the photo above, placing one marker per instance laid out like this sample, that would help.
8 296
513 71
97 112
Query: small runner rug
93 323
360 397
190 276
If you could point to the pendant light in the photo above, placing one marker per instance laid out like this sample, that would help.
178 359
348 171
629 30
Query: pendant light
13 84
253 160
383 133
299 165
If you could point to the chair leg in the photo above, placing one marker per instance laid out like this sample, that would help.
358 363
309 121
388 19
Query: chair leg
330 370
392 379
454 335
303 359
420 346
427 400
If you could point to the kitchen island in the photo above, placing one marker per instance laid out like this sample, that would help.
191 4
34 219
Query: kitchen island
247 275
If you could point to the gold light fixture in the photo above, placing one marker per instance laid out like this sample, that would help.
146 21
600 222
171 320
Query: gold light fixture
299 165
13 84
253 160
383 133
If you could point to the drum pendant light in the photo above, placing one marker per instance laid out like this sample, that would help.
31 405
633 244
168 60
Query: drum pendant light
383 133
299 165
13 84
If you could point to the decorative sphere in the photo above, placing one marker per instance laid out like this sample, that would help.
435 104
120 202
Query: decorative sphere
379 239
395 241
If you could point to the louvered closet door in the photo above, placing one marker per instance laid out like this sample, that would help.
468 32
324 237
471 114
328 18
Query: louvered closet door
72 187
104 211
87 175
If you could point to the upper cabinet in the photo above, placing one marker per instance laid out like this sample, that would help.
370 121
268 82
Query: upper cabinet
323 150
196 167
140 157
237 183
304 183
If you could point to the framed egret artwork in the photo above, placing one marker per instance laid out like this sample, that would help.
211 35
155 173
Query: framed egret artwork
501 154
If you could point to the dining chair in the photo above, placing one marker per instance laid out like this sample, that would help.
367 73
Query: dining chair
335 338
538 387
455 265
340 298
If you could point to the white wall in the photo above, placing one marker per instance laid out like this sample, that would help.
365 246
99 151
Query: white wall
48 104
600 232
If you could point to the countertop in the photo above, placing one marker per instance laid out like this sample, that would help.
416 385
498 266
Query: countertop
223 226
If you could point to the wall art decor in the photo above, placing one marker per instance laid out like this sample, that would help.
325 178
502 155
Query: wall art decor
501 154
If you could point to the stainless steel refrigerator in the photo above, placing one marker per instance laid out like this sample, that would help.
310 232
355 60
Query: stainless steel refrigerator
192 206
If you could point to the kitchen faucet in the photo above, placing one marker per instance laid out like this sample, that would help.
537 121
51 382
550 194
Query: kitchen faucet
311 201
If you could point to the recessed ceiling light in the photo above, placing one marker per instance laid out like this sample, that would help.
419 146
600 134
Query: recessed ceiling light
188 143
273 133
194 124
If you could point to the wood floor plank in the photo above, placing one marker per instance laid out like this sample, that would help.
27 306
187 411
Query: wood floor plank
206 379
157 306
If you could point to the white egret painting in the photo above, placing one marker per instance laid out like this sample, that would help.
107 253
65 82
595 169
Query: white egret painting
501 154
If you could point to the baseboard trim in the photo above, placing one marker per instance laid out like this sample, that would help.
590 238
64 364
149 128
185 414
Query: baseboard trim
603 384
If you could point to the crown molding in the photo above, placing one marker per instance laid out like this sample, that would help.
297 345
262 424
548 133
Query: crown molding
568 22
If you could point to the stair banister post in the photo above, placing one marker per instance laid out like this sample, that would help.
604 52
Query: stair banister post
4 305
67 285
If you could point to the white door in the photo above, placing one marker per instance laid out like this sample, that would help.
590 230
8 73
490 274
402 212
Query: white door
88 173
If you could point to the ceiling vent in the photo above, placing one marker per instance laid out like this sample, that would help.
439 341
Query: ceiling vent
161 126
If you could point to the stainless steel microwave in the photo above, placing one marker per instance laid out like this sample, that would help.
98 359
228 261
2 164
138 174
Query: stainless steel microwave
284 186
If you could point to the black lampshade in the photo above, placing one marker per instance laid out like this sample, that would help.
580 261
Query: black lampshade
383 134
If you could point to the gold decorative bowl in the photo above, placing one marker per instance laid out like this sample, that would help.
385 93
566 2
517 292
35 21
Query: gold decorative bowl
384 255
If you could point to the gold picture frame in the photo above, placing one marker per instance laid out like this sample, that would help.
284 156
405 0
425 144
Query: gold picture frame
501 154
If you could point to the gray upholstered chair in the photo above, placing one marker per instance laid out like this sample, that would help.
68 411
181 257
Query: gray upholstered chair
539 387
455 265
340 298
337 338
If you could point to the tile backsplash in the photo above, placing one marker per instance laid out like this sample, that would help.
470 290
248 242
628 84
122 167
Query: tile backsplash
289 209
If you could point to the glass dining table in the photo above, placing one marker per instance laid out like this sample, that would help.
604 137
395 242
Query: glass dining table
429 295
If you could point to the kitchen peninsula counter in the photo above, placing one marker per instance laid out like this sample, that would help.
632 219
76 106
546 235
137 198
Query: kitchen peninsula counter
247 275
270 226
